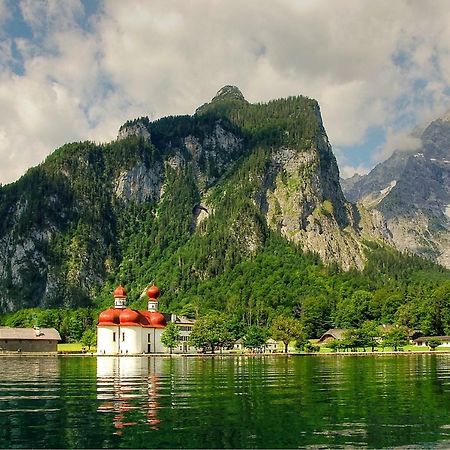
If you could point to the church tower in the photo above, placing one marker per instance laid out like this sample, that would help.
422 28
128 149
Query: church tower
153 293
120 297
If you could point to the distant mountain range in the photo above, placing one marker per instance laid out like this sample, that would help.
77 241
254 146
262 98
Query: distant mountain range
411 190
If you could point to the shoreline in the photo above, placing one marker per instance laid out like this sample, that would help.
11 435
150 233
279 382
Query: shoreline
223 355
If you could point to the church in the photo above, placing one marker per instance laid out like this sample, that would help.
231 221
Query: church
125 331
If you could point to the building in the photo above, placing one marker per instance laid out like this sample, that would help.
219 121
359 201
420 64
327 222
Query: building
185 326
271 346
333 334
125 331
29 339
423 340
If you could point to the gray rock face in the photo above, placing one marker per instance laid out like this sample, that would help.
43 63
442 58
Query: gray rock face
229 92
213 155
139 184
303 201
137 129
412 192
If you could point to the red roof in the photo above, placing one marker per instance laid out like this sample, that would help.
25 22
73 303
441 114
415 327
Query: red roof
120 292
153 292
131 318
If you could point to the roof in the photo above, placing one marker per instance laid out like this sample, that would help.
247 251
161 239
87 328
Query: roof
179 320
271 341
184 320
427 338
131 317
45 334
336 333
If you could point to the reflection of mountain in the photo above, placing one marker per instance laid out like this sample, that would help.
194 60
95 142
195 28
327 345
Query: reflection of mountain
126 388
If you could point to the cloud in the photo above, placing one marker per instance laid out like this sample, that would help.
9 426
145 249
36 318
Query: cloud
348 171
369 64
397 141
45 15
5 13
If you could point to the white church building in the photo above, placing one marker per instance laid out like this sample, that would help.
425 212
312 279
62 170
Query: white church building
125 331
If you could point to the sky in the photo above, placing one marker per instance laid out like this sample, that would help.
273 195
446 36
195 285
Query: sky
76 70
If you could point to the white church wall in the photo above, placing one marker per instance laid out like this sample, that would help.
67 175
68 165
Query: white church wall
107 340
130 340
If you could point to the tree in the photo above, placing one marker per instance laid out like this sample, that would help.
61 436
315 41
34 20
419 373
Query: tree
335 345
433 343
210 332
255 338
285 329
89 338
369 333
302 342
170 336
352 339
395 338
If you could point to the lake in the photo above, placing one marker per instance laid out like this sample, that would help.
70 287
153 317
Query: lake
238 402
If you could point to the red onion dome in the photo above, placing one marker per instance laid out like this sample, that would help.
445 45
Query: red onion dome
157 320
120 292
109 317
153 292
129 317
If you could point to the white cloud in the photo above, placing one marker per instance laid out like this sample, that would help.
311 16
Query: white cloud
367 63
5 13
44 15
397 140
348 171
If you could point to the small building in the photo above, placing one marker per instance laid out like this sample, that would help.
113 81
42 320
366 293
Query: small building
29 339
333 334
423 340
239 345
271 346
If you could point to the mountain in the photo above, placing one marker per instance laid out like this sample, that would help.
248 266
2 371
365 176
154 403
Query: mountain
199 203
412 192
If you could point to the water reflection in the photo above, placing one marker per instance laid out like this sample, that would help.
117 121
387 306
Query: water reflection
275 402
127 384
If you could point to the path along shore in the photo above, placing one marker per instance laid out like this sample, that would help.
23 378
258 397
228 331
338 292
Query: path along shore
227 355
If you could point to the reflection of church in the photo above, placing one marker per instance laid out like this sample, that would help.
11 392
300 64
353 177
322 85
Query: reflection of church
126 331
128 389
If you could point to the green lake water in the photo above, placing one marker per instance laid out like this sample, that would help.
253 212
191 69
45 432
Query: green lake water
237 402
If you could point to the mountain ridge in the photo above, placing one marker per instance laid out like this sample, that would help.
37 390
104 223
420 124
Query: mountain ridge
412 192
186 198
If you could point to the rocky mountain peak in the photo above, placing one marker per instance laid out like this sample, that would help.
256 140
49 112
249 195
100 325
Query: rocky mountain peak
228 92
137 127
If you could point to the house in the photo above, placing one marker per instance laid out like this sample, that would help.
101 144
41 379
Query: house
29 339
331 335
239 345
271 346
185 326
423 340
125 331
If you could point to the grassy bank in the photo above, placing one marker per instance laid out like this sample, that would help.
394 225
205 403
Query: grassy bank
74 347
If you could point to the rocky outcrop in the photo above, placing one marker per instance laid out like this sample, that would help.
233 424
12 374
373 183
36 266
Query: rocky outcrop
140 183
213 154
134 129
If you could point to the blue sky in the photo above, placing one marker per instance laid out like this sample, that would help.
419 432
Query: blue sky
77 69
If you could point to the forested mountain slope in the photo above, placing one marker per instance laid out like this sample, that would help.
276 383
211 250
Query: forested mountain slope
237 207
